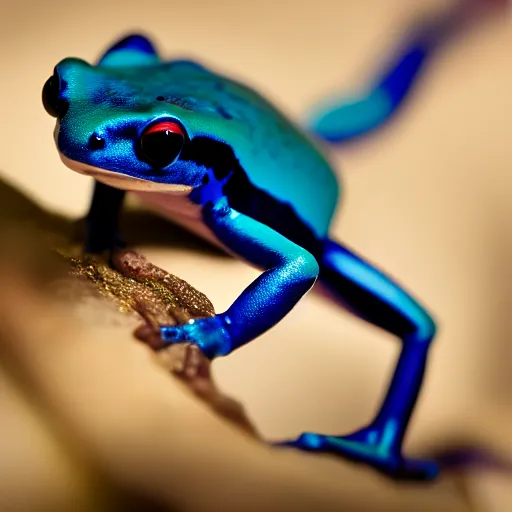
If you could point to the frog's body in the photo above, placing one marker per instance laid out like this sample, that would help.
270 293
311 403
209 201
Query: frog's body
217 157
273 164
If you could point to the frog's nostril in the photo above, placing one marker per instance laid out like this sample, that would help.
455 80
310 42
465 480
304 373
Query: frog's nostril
96 142
52 102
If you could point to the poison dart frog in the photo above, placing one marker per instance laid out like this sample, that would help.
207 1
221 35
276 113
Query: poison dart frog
217 157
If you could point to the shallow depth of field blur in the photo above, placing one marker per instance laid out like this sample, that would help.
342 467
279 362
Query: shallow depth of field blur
428 198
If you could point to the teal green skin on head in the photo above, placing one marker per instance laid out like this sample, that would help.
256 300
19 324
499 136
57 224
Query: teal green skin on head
115 102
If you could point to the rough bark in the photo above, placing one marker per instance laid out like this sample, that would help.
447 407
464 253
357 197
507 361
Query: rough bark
160 298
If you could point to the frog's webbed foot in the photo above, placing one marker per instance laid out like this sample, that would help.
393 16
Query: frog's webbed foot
371 447
209 334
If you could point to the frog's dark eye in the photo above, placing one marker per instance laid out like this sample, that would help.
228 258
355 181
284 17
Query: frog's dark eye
51 97
161 143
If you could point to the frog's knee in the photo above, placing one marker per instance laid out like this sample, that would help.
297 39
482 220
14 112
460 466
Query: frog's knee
425 329
304 266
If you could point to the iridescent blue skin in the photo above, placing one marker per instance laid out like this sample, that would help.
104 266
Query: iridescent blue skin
343 119
266 193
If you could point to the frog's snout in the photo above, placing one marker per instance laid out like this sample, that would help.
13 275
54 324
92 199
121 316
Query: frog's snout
53 102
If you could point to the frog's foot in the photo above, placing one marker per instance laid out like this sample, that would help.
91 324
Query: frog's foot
209 334
368 447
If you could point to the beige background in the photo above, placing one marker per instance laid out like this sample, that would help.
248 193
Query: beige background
428 198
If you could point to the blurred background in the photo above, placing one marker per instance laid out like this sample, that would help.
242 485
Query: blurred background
427 198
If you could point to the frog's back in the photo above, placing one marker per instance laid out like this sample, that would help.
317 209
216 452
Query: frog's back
277 157
277 174
279 168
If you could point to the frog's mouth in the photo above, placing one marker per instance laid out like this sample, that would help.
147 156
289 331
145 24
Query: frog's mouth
122 181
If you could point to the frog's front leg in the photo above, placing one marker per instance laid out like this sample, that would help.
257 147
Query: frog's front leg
102 219
290 271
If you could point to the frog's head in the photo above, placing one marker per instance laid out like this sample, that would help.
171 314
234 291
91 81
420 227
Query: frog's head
126 125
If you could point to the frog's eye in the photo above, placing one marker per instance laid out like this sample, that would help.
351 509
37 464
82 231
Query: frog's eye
161 143
51 97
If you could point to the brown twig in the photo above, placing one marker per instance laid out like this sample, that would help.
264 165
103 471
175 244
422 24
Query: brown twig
159 298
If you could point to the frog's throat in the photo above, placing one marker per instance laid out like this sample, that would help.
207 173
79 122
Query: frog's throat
123 181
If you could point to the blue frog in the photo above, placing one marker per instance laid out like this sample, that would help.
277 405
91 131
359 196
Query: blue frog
214 155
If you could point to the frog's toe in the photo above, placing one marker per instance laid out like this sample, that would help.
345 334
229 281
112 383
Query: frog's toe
208 334
173 334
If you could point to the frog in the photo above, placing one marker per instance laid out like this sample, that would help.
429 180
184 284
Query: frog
211 153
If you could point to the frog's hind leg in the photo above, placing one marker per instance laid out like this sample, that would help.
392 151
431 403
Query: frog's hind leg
374 297
131 50
349 117
344 118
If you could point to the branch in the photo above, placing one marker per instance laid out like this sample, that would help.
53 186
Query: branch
159 298
125 417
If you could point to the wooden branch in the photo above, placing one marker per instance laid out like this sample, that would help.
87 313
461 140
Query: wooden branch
160 298
128 420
